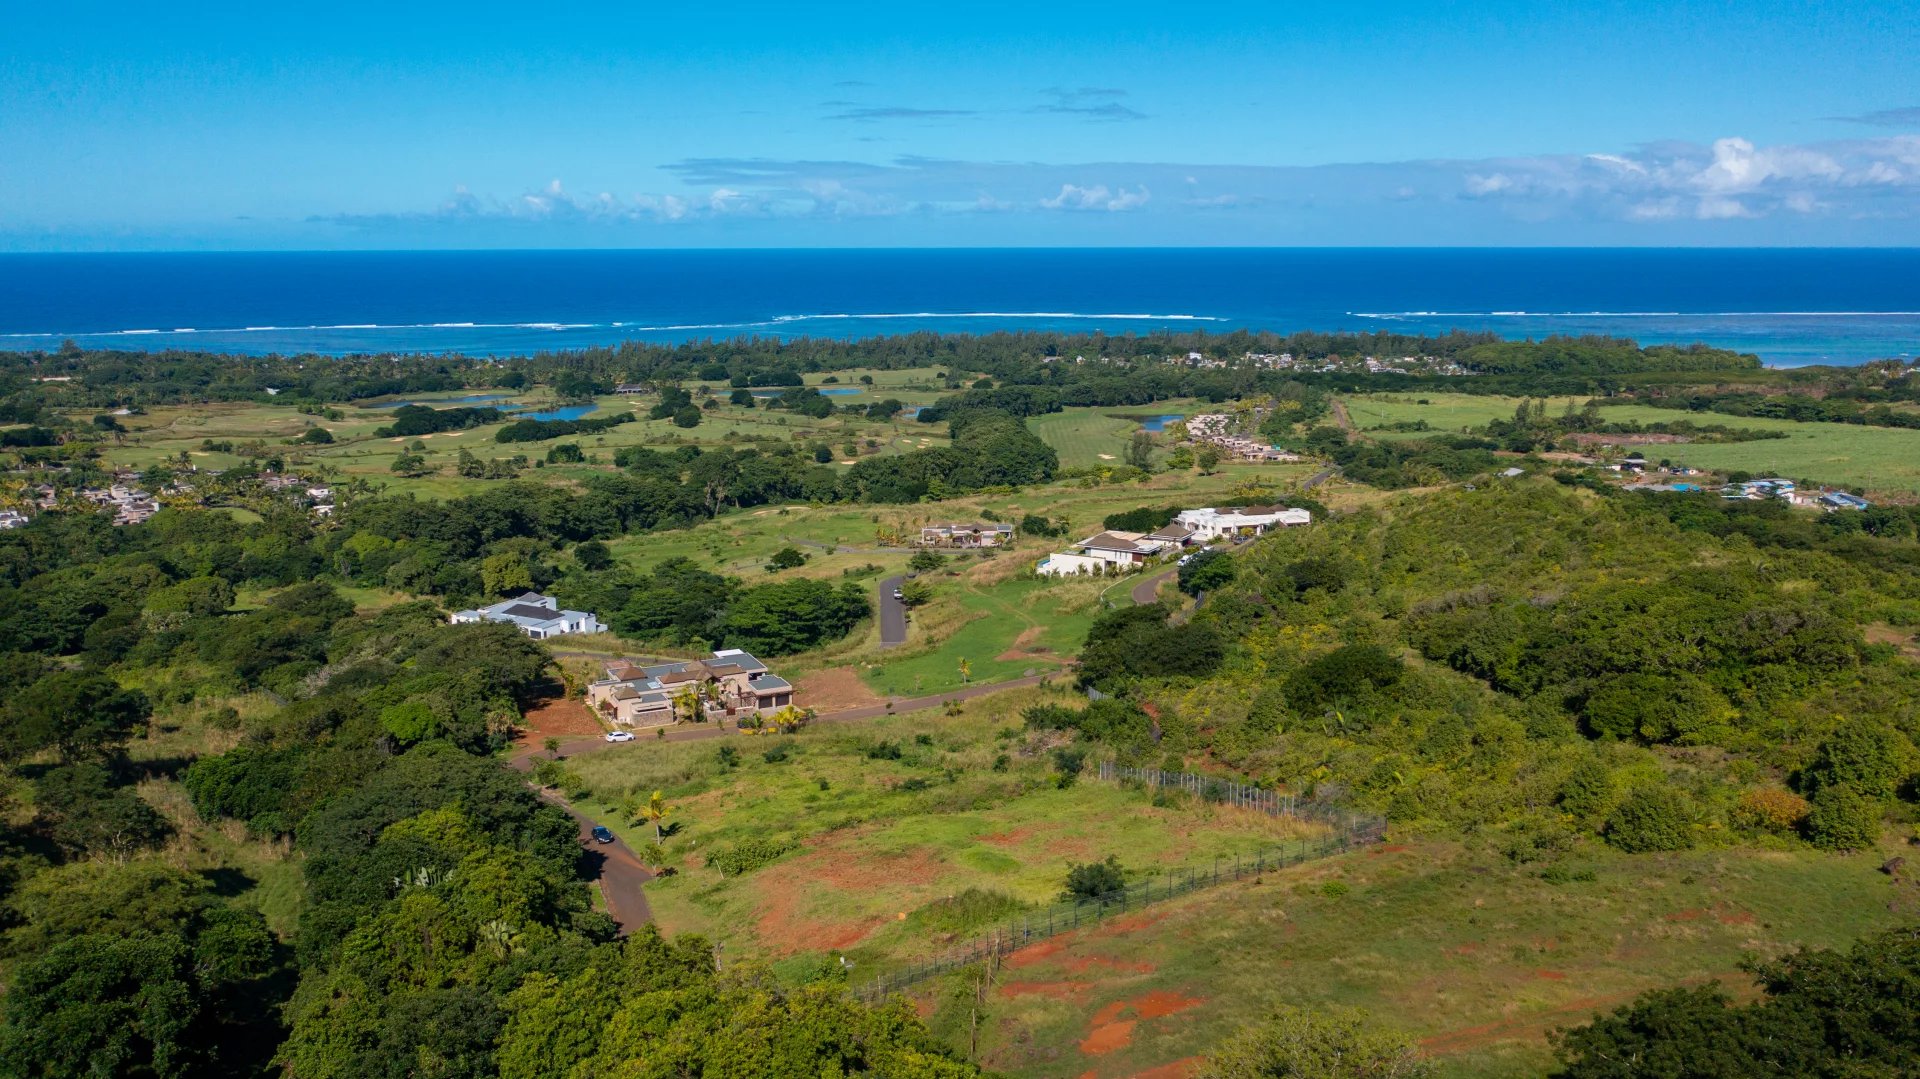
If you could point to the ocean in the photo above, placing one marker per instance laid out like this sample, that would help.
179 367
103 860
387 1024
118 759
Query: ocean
1789 306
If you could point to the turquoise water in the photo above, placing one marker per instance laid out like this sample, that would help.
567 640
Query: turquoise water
1159 423
1787 305
565 412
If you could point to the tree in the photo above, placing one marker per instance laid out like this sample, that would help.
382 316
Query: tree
84 716
686 416
317 436
1208 458
1317 1043
1206 571
1842 818
409 464
822 453
593 556
1140 451
1868 755
1094 880
1651 819
552 746
916 593
504 573
926 561
788 557
655 812
565 453
966 670
741 397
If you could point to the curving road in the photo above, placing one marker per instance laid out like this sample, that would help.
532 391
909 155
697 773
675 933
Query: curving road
614 866
893 614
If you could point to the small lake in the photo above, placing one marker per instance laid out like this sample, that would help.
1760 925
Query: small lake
825 391
443 402
565 412
1159 423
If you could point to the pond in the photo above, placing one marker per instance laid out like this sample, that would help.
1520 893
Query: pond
564 412
443 402
1159 423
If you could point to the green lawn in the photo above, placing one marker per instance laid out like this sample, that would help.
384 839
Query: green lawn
1091 437
1473 956
1880 459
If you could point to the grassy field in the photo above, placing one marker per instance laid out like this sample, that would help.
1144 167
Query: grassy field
1091 437
1880 459
877 845
1475 958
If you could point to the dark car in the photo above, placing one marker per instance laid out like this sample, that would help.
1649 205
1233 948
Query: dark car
601 835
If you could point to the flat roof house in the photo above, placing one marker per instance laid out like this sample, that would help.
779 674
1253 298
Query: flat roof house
533 614
1211 524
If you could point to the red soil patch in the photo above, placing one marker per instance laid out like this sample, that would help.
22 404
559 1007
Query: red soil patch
1011 838
1465 949
833 689
1735 917
1081 966
1550 975
1691 914
1176 1069
780 926
1108 1032
1133 923
1022 646
1152 710
1050 990
1108 1038
1161 1002
1035 953
561 717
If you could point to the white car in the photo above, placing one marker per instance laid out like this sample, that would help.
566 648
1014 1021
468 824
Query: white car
619 736
1184 559
898 594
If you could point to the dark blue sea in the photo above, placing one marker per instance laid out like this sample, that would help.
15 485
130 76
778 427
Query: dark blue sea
1789 306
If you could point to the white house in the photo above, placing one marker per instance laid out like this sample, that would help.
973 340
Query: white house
536 615
1122 549
1070 565
1212 524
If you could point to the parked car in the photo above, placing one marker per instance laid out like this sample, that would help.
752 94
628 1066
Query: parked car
898 594
601 835
1183 560
619 736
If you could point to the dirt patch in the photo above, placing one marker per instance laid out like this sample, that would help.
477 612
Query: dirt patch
1550 975
1161 1002
1133 923
1022 646
1084 964
785 931
1108 1037
833 689
1049 990
561 717
1012 838
1036 953
1882 633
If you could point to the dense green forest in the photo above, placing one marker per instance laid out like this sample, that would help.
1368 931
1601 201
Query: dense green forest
1542 666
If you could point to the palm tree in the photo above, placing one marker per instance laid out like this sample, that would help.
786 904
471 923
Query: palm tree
966 670
655 811
688 701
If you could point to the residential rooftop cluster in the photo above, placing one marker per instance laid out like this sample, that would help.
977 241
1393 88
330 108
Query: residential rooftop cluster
1125 552
730 683
1217 429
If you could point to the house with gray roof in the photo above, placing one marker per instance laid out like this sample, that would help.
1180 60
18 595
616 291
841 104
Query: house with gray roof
535 615
730 683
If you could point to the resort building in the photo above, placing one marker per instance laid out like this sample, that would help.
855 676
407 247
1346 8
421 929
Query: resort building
535 615
728 683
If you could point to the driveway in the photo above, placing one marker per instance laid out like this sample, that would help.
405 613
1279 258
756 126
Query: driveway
614 865
893 614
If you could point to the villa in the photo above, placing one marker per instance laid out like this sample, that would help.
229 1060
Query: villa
535 615
727 683
966 535
1238 522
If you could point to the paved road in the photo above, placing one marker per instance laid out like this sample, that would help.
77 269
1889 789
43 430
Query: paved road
618 870
1320 477
893 614
1148 590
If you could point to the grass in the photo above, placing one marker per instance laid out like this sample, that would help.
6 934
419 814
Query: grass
1472 956
1883 460
879 844
1091 437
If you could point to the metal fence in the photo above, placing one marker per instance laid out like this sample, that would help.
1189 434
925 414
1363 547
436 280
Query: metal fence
1348 831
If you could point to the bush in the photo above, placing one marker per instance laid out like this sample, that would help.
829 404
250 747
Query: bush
968 910
1342 673
1589 790
1869 756
747 856
1651 819
1094 879
1842 818
1770 809
883 751
1205 572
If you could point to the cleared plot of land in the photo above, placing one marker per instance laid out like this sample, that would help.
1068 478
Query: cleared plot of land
880 838
1476 958
1880 459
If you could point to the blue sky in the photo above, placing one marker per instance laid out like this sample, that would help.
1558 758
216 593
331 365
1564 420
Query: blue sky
351 125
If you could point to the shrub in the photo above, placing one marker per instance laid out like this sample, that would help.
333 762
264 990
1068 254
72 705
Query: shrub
883 751
1770 809
968 910
778 753
747 856
1342 673
1651 819
1867 755
1589 790
1094 879
1842 818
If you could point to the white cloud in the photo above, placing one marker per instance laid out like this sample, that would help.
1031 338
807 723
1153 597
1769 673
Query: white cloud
1482 186
1098 197
1720 208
